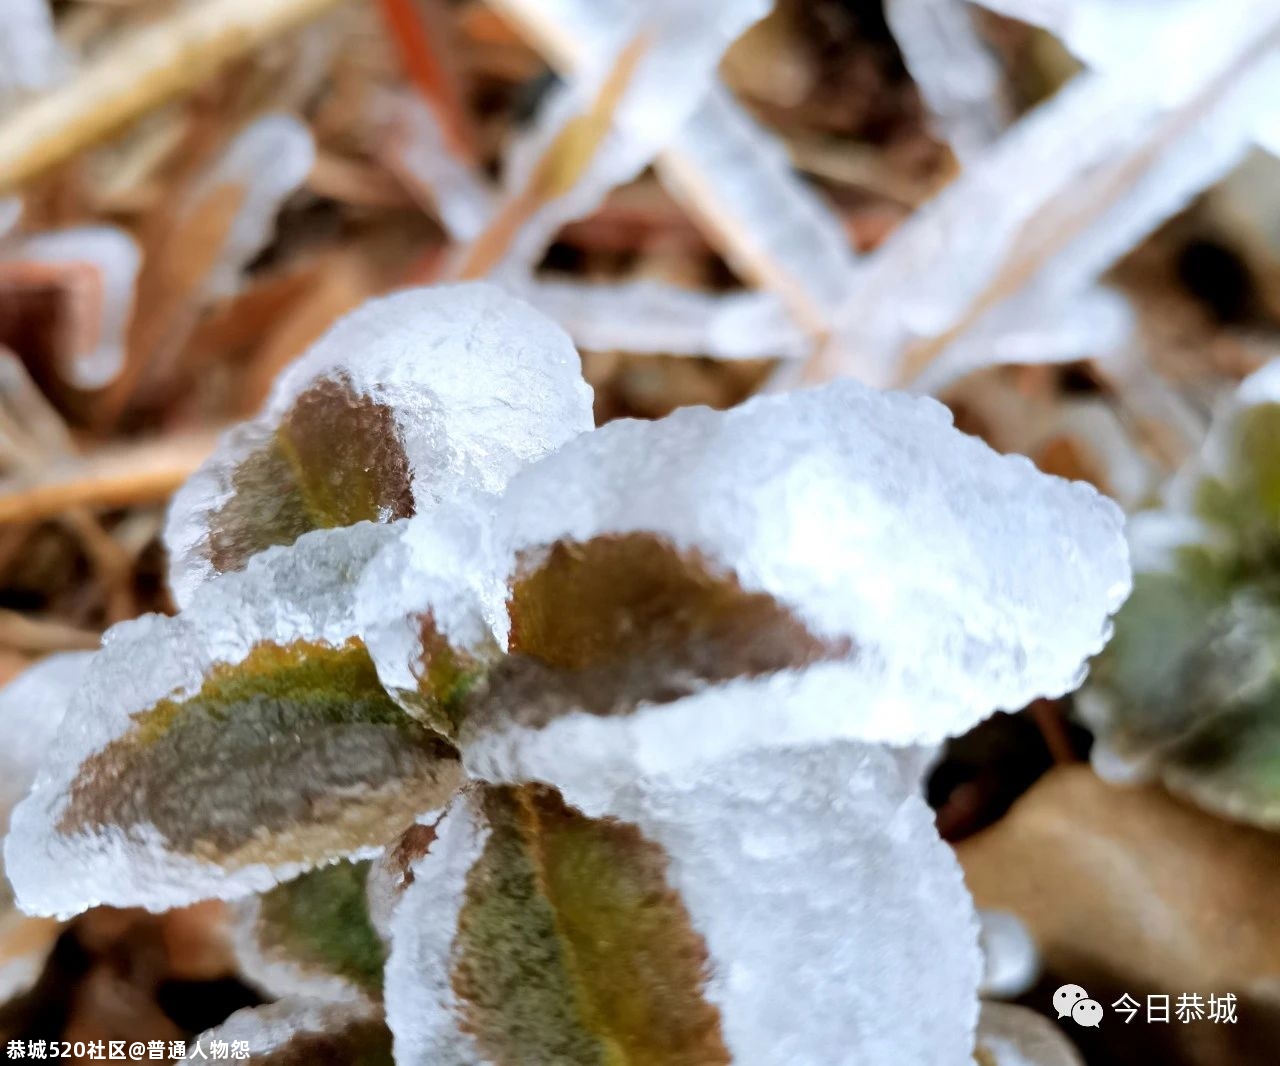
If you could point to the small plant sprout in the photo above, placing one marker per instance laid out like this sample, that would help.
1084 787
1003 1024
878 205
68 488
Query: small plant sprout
1189 690
518 742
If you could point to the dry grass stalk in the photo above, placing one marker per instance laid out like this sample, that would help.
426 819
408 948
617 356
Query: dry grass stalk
164 61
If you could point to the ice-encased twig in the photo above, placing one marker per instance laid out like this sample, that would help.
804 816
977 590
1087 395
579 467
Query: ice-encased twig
1106 35
953 68
1055 202
735 178
114 258
237 684
648 317
268 161
672 49
416 150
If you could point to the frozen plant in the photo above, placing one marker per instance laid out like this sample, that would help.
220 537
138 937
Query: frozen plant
520 743
1189 691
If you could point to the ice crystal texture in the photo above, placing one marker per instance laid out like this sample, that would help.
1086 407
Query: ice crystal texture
243 700
590 726
406 402
927 580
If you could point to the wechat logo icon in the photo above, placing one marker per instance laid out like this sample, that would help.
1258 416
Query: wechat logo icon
1072 1001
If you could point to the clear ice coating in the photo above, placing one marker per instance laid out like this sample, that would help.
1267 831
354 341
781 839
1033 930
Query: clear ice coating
957 75
680 45
111 818
31 708
937 580
436 391
822 865
650 318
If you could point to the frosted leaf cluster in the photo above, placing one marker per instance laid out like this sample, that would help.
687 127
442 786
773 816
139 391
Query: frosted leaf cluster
1189 691
576 748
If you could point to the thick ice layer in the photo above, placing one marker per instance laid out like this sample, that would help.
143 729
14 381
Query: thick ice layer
438 569
939 580
31 707
423 1009
1017 1036
837 922
403 403
109 822
822 865
312 938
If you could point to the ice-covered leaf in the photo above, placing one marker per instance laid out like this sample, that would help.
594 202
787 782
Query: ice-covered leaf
431 608
313 936
956 73
1071 187
96 267
1189 691
531 933
31 708
647 317
658 932
1016 1036
232 747
405 402
840 542
294 1031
